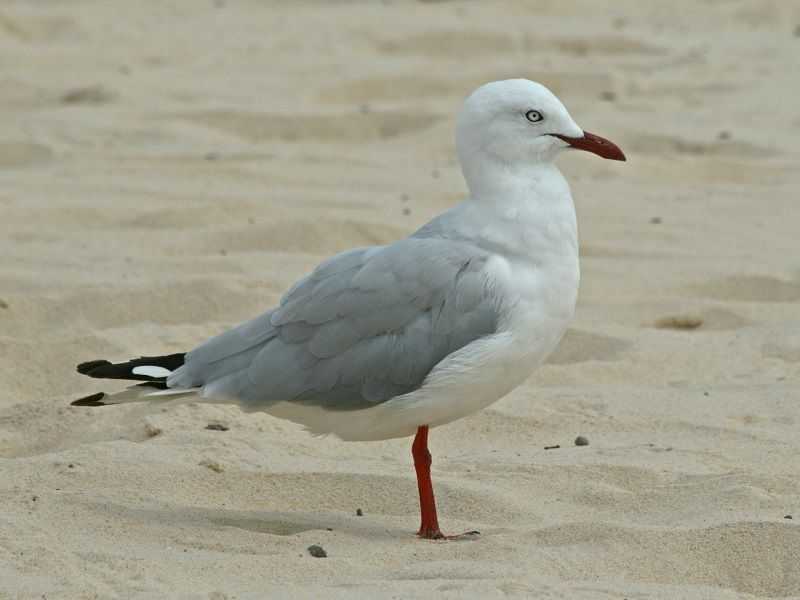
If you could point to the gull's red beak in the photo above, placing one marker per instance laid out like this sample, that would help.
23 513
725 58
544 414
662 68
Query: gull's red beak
594 144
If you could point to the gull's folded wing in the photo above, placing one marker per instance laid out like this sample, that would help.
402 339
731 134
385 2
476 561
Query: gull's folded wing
365 326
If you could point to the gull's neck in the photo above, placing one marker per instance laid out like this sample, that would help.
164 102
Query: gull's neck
538 185
522 209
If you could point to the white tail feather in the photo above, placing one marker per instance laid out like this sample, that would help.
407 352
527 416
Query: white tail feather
144 393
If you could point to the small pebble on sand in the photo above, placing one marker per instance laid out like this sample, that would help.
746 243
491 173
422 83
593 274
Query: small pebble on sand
217 427
317 551
581 441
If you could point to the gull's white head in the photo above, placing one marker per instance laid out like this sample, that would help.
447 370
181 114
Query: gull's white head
521 121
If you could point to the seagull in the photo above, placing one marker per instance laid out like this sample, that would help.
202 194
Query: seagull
385 342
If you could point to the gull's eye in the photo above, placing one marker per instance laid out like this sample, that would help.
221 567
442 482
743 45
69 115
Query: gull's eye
534 116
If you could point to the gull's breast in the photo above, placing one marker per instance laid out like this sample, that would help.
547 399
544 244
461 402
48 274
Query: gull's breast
540 298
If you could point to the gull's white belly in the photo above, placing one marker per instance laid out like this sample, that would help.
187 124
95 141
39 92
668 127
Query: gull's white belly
486 370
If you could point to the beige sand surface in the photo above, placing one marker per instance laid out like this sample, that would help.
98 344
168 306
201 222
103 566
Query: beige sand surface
167 169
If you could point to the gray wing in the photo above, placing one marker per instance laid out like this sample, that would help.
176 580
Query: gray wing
363 327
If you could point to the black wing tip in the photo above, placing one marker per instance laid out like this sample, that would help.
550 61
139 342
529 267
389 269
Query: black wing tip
103 369
93 400
86 368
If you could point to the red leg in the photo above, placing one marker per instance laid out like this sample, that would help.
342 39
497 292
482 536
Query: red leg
429 528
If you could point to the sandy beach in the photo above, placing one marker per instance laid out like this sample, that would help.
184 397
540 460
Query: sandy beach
168 169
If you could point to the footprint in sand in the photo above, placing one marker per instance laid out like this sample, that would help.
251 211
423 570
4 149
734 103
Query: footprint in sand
391 88
458 44
304 236
785 345
39 28
595 45
750 288
666 145
581 346
464 43
765 553
352 127
23 154
413 87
